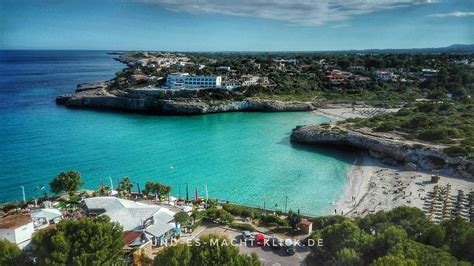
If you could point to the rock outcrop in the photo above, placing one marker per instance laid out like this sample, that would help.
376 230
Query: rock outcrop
388 148
96 96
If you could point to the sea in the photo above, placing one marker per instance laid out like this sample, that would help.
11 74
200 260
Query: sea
246 158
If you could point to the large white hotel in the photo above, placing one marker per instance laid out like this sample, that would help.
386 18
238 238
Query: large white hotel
184 80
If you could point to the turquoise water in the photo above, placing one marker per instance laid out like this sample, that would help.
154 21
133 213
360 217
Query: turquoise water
241 157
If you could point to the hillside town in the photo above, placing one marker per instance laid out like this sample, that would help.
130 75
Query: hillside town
178 71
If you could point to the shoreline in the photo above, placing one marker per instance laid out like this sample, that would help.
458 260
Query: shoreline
377 186
357 178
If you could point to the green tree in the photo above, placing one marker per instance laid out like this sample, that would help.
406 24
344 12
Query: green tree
346 257
10 254
208 250
149 188
294 218
460 238
182 218
219 215
86 241
66 182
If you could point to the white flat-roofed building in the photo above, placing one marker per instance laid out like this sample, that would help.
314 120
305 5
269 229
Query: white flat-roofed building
156 221
230 84
426 73
17 229
385 75
223 68
186 81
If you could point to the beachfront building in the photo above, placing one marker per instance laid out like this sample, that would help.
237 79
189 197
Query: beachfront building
17 229
156 222
384 75
186 81
338 77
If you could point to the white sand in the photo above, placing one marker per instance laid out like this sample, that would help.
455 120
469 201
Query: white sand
374 184
384 188
340 113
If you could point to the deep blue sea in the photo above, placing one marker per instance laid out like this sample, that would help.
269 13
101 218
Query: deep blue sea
241 157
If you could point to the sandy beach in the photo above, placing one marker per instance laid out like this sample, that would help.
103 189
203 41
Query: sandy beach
373 186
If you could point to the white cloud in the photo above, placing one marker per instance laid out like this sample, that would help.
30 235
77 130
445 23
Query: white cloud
341 26
453 14
297 12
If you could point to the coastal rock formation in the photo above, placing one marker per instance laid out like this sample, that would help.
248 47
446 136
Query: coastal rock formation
387 147
96 96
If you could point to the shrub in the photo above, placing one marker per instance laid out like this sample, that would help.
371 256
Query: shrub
242 211
456 151
242 226
271 219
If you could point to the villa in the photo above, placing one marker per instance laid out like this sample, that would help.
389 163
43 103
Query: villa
338 77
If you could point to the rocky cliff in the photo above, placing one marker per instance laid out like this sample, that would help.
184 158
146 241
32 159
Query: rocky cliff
96 96
389 148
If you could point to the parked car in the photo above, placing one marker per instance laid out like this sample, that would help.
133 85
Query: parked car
260 239
246 235
274 243
290 248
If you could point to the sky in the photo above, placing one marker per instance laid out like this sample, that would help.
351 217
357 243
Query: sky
239 25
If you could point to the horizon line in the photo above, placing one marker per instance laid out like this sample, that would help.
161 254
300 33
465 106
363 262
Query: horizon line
232 51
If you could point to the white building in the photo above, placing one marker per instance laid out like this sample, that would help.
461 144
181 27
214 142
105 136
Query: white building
44 217
230 84
287 61
17 229
426 73
385 75
157 222
184 80
249 80
223 68
461 62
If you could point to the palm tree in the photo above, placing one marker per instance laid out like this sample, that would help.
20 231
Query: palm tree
127 185
149 187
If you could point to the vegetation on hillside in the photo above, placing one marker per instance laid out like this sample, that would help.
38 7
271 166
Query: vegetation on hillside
444 123
402 236
307 79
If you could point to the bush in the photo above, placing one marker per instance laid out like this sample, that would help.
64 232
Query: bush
386 126
242 211
243 226
456 151
271 219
